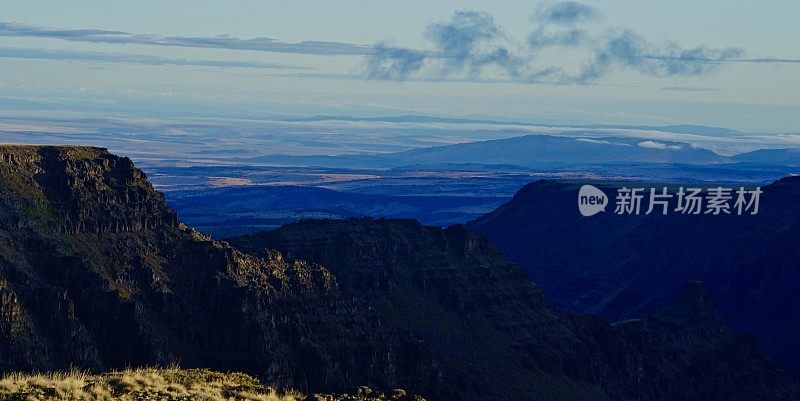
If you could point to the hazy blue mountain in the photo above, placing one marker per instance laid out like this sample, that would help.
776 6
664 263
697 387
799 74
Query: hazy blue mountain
533 150
540 151
774 157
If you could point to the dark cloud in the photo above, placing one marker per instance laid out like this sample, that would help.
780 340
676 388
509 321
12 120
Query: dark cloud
112 57
542 38
631 50
565 12
469 42
393 63
472 40
217 42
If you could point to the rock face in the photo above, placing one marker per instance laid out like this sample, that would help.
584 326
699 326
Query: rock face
96 272
625 267
497 338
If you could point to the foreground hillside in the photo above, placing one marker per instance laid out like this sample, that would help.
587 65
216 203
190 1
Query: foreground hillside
97 273
626 267
166 385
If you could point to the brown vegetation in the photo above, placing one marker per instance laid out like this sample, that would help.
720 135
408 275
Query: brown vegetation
169 384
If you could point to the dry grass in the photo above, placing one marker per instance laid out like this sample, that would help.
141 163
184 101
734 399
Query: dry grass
140 384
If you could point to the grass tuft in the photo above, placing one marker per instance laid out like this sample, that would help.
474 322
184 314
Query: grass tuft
169 384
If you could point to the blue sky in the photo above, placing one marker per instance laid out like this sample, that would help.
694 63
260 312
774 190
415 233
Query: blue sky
726 63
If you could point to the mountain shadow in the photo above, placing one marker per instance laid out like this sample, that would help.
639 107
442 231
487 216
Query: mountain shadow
629 266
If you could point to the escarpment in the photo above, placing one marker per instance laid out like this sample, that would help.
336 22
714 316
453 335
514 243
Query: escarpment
97 273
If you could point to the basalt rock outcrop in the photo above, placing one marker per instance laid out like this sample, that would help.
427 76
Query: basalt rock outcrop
96 272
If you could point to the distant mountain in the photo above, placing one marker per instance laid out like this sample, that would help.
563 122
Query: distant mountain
537 150
774 157
630 266
97 273
531 151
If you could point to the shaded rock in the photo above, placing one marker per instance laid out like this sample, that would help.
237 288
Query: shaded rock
495 335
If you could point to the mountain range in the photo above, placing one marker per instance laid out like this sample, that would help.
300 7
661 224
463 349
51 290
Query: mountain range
579 153
96 272
786 157
524 151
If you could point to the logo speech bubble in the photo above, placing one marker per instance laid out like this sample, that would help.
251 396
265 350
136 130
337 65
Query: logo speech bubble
591 200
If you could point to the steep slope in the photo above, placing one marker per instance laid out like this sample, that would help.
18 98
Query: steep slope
629 266
495 334
96 272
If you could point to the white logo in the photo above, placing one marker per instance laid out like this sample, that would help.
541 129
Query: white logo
591 200
717 201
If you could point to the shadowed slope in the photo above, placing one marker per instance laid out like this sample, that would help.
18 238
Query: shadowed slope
629 266
455 290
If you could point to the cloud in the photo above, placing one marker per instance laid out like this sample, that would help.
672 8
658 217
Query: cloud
464 48
629 49
565 12
690 89
657 145
215 42
543 38
468 43
559 25
112 57
472 40
393 63
767 60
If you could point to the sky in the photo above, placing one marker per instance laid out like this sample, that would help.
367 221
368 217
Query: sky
734 64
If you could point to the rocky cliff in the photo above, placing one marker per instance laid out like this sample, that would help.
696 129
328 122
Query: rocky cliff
96 272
